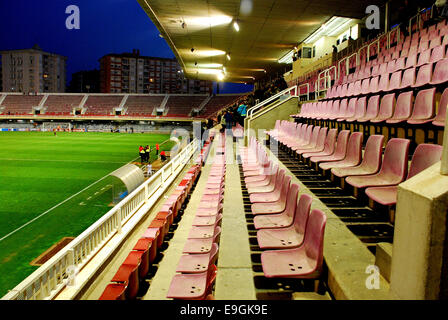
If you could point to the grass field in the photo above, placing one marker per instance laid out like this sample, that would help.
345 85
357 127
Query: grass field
41 176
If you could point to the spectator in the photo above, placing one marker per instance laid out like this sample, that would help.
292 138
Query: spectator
228 119
163 156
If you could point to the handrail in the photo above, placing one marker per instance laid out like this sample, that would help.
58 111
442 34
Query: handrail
53 276
251 111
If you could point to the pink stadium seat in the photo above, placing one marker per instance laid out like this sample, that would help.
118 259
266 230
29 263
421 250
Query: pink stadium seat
393 169
195 246
329 146
400 64
365 86
425 155
383 85
320 143
341 149
408 79
372 109
271 207
440 72
353 157
423 58
283 219
423 111
304 262
312 141
374 82
437 54
370 163
424 76
395 81
197 263
287 237
440 118
360 110
269 196
350 111
403 108
411 61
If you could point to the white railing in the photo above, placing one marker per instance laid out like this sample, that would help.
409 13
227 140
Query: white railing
52 277
291 91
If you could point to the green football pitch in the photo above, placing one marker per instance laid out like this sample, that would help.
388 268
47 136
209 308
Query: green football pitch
53 187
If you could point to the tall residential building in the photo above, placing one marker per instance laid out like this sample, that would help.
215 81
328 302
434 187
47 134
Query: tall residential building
85 82
133 73
33 70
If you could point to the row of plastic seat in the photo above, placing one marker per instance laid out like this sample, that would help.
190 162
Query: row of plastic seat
343 155
427 75
126 282
288 227
389 110
196 270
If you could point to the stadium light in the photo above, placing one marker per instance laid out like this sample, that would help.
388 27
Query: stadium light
228 57
287 58
331 28
236 26
221 76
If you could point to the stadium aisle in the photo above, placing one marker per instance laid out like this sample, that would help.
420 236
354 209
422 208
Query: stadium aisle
167 267
235 277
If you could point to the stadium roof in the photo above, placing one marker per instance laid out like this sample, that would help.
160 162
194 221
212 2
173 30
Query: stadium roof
268 29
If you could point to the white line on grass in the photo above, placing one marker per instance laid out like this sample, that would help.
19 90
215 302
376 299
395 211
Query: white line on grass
55 160
44 213
60 203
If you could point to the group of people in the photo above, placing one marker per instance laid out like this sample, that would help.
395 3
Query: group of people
145 151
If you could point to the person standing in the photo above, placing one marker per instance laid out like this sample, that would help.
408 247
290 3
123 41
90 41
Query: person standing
148 170
141 152
163 156
228 117
157 149
147 152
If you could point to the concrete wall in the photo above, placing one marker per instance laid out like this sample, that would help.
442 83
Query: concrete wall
420 253
266 118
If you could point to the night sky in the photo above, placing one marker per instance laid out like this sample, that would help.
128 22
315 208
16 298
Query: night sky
107 26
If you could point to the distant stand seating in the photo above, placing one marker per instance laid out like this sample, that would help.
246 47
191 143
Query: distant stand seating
62 105
102 105
138 106
217 103
182 106
20 104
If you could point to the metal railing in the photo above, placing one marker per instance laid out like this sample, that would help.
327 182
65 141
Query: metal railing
52 277
291 91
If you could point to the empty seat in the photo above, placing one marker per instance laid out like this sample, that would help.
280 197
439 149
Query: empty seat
341 149
403 108
353 157
303 262
263 206
408 79
440 72
393 169
425 155
372 109
287 237
423 111
440 118
424 76
370 163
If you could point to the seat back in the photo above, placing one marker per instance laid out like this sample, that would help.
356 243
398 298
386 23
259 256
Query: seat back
424 104
314 237
320 143
285 188
373 88
437 54
424 75
400 64
411 61
383 85
440 72
354 147
373 107
341 145
372 153
302 213
443 104
343 108
408 78
424 57
351 108
395 161
314 136
404 106
425 155
335 109
386 106
291 200
395 81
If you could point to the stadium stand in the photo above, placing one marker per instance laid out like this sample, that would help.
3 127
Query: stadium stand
142 105
20 104
217 103
102 105
62 105
182 106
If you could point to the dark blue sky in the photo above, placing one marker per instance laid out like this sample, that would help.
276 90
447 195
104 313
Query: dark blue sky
107 26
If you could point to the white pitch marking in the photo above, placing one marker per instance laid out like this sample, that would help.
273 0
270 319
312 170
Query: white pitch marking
54 207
